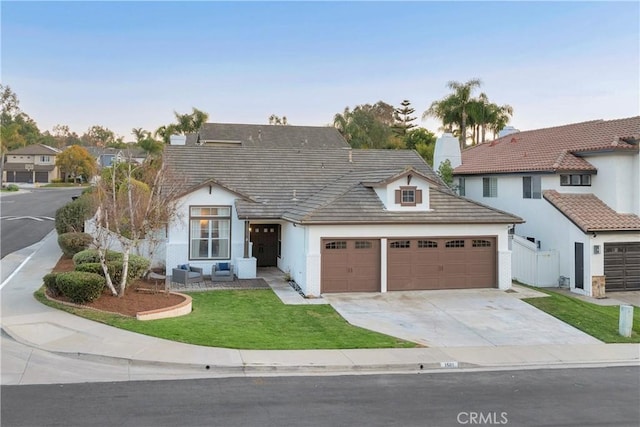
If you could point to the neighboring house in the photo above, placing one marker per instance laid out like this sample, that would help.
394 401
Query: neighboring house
34 163
335 219
578 189
106 157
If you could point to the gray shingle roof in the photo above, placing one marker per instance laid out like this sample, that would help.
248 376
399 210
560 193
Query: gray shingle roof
35 150
269 136
318 186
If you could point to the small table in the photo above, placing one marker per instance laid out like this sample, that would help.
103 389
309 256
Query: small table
156 277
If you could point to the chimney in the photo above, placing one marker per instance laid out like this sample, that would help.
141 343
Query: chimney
177 140
447 147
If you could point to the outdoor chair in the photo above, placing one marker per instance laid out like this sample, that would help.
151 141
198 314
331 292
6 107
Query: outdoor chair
186 274
222 272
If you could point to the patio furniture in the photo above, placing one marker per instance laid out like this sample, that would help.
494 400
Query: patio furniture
222 272
186 274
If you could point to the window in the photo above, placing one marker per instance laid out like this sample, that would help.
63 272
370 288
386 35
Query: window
461 187
481 243
408 196
336 245
45 159
364 244
455 244
490 187
210 232
427 244
531 187
575 180
400 244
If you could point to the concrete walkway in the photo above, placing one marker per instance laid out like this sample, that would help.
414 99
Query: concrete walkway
44 329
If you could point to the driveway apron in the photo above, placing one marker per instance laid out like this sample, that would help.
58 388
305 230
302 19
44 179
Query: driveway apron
456 318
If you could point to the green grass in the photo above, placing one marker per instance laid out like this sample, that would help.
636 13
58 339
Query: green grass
249 319
598 321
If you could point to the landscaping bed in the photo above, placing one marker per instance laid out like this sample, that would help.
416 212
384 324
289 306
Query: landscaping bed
140 296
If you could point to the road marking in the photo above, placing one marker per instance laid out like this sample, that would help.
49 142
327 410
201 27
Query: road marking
33 218
17 270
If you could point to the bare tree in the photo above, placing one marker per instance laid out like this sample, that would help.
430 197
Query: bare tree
134 202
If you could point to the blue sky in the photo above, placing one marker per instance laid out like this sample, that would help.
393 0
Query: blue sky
131 64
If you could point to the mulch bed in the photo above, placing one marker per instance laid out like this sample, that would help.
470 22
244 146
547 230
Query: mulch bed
139 296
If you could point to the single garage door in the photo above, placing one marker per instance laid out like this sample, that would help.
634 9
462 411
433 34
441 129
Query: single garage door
350 265
622 266
42 176
441 263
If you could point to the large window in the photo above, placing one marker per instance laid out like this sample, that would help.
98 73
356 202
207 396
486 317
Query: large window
210 232
490 187
575 180
531 187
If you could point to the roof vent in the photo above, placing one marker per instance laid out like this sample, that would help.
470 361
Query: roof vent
259 134
350 156
294 199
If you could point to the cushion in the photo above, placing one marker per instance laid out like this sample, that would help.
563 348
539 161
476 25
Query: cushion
183 266
223 266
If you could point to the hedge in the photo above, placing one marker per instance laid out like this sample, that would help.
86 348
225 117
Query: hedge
71 217
80 286
89 262
72 243
51 284
92 255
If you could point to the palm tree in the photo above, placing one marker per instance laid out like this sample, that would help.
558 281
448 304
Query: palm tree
498 117
139 134
453 109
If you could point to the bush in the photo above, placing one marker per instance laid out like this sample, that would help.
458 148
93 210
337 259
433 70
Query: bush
92 255
12 187
72 243
71 217
80 286
51 284
57 181
137 267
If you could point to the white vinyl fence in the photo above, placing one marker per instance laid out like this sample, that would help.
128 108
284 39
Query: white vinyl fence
532 266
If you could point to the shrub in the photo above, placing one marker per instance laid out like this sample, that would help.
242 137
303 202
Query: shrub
12 187
92 255
72 243
51 284
71 217
80 286
137 267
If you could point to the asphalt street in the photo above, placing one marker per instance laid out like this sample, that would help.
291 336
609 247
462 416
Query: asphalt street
26 218
553 397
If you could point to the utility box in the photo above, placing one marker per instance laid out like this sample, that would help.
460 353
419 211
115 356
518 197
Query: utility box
626 320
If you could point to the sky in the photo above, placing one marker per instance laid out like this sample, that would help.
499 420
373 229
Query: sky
127 65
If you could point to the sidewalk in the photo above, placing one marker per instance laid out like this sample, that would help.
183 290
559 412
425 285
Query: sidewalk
41 327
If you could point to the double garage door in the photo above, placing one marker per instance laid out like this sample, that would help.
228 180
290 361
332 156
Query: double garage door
353 265
13 176
622 266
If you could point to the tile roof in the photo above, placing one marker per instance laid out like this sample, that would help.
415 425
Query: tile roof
590 213
551 149
35 150
270 136
318 186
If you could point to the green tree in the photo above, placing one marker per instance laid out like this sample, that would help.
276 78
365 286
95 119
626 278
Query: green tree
445 172
485 115
366 126
99 136
76 162
185 123
419 136
403 119
454 108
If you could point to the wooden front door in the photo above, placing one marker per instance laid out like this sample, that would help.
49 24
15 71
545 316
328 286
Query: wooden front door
265 244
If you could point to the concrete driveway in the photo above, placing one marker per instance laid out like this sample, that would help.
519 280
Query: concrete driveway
457 318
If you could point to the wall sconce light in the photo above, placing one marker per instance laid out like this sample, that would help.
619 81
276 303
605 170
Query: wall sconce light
596 249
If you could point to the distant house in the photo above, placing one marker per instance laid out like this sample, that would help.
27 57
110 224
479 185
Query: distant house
106 157
578 188
34 163
336 219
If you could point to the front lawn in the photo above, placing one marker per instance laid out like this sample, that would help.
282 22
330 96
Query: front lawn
250 319
598 321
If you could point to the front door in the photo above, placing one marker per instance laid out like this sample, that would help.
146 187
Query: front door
579 263
265 244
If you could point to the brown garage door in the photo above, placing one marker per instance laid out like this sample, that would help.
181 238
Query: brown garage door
13 176
350 265
42 176
441 263
622 266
